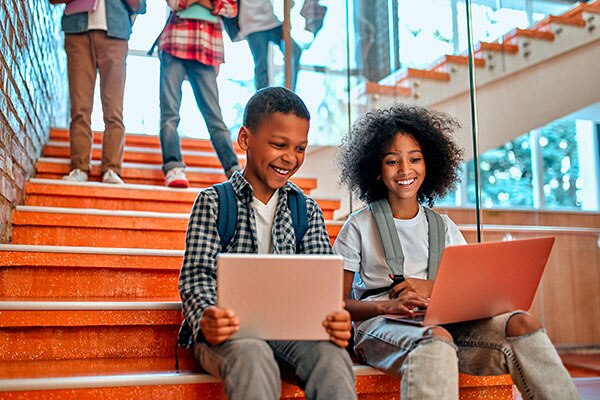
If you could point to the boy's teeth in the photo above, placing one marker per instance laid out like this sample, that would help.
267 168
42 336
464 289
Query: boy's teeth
281 171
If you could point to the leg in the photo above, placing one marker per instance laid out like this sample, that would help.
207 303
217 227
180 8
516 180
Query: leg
203 79
246 366
296 53
530 358
259 47
81 67
424 357
323 369
111 54
172 74
545 377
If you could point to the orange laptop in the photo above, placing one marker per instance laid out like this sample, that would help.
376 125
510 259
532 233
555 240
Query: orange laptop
482 280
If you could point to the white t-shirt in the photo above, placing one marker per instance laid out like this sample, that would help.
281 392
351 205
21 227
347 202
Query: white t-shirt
256 16
265 215
97 18
360 245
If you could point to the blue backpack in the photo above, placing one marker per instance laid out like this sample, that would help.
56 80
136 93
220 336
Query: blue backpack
226 224
227 217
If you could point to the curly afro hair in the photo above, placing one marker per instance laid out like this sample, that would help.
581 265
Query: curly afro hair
362 151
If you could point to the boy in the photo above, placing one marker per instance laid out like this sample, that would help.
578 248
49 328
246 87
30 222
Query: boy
274 137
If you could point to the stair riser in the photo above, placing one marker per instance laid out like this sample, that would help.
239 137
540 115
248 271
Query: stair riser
127 204
137 157
99 237
109 204
154 176
150 141
108 237
25 283
200 181
63 343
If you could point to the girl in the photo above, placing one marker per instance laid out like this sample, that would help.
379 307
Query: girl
400 158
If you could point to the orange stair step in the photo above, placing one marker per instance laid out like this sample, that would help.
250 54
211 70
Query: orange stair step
497 47
388 90
55 168
139 140
51 272
529 33
62 330
203 159
130 378
106 228
427 74
57 193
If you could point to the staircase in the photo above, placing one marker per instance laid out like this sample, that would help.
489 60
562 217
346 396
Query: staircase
524 80
89 307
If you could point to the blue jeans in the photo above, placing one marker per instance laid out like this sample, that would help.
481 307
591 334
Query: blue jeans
429 366
252 368
259 46
203 79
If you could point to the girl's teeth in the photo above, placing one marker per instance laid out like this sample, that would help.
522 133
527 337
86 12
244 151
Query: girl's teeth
281 171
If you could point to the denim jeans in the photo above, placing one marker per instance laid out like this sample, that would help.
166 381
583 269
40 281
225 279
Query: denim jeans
253 369
203 79
259 46
428 366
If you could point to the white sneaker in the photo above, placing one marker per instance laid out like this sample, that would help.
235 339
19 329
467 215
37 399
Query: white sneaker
176 178
111 176
76 175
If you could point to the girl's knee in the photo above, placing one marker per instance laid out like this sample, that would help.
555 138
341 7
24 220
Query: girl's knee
522 324
438 332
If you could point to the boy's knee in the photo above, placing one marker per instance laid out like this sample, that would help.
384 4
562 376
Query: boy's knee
437 332
522 324
251 348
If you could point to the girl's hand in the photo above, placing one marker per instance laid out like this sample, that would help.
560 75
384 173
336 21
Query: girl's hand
420 286
405 302
218 324
338 326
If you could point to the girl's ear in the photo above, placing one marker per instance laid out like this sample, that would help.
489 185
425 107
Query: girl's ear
243 137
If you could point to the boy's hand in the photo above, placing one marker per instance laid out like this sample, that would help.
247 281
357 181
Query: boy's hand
218 324
420 286
338 326
405 302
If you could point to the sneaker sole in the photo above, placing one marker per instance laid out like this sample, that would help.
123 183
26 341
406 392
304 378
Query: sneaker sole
179 184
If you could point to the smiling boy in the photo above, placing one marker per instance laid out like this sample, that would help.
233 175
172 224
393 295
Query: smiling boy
274 137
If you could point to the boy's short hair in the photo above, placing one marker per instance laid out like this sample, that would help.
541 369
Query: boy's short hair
271 100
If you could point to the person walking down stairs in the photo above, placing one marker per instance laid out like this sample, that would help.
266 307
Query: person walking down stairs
96 42
191 45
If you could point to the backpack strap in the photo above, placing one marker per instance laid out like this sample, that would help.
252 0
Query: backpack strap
394 257
297 206
437 240
227 217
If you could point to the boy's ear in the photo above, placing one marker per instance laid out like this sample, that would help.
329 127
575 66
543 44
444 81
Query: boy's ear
243 136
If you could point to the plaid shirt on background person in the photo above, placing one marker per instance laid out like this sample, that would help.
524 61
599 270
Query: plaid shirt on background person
193 39
197 280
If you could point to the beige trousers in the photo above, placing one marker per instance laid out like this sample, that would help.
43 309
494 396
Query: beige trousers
90 53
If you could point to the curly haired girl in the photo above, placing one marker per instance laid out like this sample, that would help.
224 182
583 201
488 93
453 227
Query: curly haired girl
397 159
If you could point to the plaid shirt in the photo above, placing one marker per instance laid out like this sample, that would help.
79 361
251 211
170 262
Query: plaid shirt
197 280
193 39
